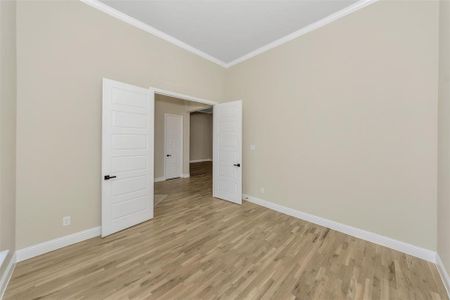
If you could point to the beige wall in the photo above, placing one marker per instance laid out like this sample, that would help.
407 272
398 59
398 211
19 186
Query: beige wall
444 137
344 121
201 136
61 62
7 127
163 105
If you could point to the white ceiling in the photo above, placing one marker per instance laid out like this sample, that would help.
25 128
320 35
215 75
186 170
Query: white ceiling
228 30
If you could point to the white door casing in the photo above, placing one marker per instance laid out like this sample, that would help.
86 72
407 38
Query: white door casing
227 151
127 154
173 146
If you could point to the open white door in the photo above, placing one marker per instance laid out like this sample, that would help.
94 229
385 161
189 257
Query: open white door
127 156
227 151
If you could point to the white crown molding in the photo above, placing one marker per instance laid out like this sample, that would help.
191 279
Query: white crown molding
44 247
141 25
4 280
410 249
444 274
311 27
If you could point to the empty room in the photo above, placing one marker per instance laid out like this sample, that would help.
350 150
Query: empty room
155 149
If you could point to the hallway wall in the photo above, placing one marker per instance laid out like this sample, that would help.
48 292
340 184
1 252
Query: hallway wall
201 136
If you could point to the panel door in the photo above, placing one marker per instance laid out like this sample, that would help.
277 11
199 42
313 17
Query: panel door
227 151
127 156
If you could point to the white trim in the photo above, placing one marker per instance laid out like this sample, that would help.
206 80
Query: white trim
3 255
44 247
410 249
159 179
6 277
311 27
444 274
162 178
183 96
200 160
143 26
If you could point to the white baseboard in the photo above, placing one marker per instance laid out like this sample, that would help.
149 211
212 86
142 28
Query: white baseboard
3 255
200 160
57 243
444 274
410 249
159 179
4 280
67 240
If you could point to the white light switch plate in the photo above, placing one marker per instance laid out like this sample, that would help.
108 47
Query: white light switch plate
67 220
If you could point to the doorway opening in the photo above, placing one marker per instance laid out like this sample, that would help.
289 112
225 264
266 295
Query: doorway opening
201 142
182 145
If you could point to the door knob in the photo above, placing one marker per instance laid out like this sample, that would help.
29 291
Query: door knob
168 155
108 177
237 165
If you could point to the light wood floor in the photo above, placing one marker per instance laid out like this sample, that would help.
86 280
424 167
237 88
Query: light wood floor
198 247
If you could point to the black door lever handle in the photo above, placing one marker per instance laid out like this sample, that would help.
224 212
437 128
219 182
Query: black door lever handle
237 165
108 177
168 155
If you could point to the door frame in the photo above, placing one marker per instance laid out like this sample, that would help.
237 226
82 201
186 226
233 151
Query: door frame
193 99
181 117
182 97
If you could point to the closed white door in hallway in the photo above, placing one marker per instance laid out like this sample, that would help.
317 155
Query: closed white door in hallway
173 146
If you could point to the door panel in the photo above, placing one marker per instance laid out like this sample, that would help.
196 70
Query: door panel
129 141
173 146
129 163
227 152
127 154
129 185
129 119
127 209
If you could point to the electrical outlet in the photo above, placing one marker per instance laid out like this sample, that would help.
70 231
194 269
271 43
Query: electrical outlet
262 190
252 147
67 220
